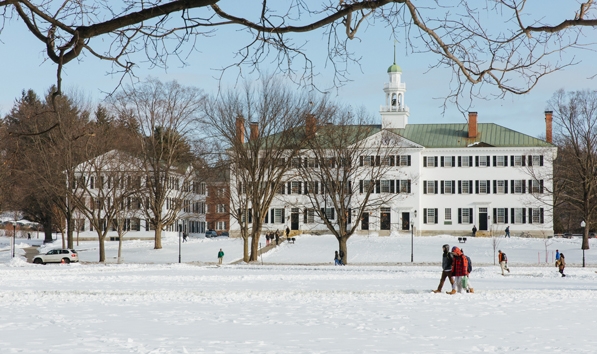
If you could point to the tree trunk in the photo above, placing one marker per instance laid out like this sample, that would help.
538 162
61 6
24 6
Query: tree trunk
256 232
119 247
343 250
102 249
158 237
48 231
69 230
246 249
585 238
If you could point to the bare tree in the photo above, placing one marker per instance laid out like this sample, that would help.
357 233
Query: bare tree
512 52
165 116
349 168
575 118
271 113
495 244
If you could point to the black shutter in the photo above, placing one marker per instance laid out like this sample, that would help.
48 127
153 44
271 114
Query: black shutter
392 160
317 187
250 215
477 161
512 186
435 160
453 185
283 216
470 213
442 187
494 186
392 190
460 215
541 186
424 215
409 160
488 187
289 188
273 219
435 187
454 160
524 185
266 218
470 187
530 186
305 216
459 187
522 158
377 186
424 187
530 160
323 215
494 161
512 215
506 161
541 160
506 215
350 187
349 216
424 161
398 186
477 187
512 160
470 161
505 186
409 186
442 161
361 160
436 216
524 215
360 186
530 215
332 212
459 161
377 161
494 215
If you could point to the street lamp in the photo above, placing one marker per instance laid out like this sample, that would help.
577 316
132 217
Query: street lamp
14 235
412 238
179 241
583 224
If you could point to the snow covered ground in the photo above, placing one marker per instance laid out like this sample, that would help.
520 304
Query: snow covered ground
297 302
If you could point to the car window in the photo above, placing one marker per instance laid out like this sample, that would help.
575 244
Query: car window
65 252
52 252
73 251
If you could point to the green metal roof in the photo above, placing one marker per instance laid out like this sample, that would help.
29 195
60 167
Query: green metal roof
456 136
394 69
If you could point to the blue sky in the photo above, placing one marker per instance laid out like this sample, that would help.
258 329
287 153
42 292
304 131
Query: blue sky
424 96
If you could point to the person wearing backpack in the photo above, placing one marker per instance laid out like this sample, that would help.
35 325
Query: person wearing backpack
459 270
503 260
469 269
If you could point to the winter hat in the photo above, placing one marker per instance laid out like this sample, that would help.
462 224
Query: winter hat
454 248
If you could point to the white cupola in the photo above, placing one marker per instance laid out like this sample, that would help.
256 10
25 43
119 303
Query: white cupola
394 115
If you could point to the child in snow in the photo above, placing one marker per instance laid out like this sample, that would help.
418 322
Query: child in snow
459 269
503 260
337 260
562 264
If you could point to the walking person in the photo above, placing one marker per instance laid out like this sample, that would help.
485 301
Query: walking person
446 269
337 260
220 256
474 230
277 238
29 235
184 237
562 264
503 260
469 269
557 258
507 232
459 270
287 232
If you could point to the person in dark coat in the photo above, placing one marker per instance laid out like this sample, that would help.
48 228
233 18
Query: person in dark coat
562 264
459 269
277 238
446 269
287 232
507 231
337 260
474 230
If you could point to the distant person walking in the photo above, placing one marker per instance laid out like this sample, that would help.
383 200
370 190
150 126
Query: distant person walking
220 256
184 237
459 270
507 232
557 258
503 260
446 269
562 264
277 238
29 235
337 260
287 232
474 230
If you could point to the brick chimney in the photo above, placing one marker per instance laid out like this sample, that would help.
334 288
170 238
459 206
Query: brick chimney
472 124
310 126
254 130
240 130
548 130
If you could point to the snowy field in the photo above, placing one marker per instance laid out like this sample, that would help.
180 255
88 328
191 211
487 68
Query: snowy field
297 302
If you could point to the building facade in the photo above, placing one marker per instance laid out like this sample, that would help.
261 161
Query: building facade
448 179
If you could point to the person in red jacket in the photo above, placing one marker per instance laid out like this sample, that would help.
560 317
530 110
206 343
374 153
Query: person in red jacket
459 269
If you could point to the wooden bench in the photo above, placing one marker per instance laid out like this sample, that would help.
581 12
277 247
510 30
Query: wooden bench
462 239
291 239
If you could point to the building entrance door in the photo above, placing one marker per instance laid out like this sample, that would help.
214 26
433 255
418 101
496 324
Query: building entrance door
482 219
294 219
365 221
406 221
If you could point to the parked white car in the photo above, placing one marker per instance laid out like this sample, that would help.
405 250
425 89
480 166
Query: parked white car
57 256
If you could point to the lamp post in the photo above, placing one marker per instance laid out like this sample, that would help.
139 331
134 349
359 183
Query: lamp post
412 238
179 241
583 224
14 235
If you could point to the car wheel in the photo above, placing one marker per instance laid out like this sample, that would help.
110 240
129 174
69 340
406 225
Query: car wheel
38 261
65 260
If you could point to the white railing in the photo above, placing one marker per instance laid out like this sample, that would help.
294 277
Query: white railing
394 85
393 109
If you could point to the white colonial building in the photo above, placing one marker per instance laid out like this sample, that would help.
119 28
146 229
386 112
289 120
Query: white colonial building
450 177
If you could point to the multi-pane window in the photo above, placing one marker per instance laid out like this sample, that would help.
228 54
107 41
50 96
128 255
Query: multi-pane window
448 187
329 213
430 216
367 185
448 161
500 215
221 208
518 160
466 187
220 225
536 186
278 216
368 160
500 161
536 215
483 161
430 187
405 186
448 214
517 213
296 162
295 187
483 187
465 161
309 216
385 186
466 216
404 159
312 162
536 160
500 186
430 161
518 185
387 160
